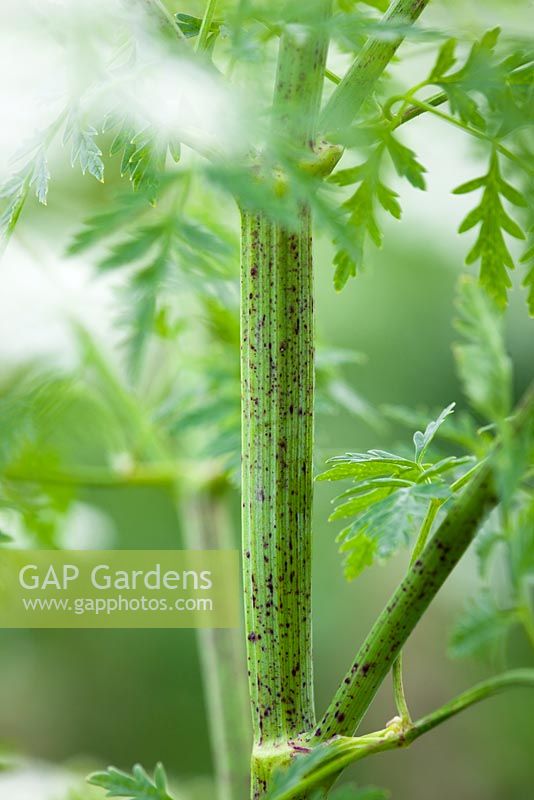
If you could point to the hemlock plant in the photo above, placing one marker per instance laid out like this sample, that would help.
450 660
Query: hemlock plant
286 182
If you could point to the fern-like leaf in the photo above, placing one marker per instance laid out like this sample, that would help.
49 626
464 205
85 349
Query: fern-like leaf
137 786
490 247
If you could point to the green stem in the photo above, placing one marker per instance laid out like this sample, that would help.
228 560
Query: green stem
414 111
344 751
431 514
413 596
398 691
277 374
514 678
205 27
207 525
358 83
300 77
398 682
426 527
277 339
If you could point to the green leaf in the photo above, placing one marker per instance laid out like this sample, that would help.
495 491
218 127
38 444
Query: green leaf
445 60
137 786
484 367
40 176
482 630
84 149
361 208
171 247
422 440
16 192
190 26
481 74
359 554
359 503
487 538
333 392
390 496
5 538
97 228
389 522
361 487
460 430
405 161
126 252
140 299
361 466
143 156
490 247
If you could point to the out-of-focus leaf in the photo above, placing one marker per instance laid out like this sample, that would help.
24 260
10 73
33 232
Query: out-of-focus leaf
483 365
486 541
137 786
522 544
482 630
84 149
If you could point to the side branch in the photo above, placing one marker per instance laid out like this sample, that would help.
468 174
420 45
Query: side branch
414 594
162 475
358 83
496 685
341 752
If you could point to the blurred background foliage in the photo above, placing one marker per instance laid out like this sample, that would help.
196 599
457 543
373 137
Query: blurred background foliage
88 698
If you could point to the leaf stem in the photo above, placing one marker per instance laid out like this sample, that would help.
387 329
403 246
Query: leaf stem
422 538
277 336
414 594
398 691
420 544
347 99
414 111
398 682
205 27
425 106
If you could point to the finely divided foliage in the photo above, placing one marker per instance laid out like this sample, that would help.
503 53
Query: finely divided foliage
171 246
137 786
490 247
391 497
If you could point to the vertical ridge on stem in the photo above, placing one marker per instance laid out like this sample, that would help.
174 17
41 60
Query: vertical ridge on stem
278 381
